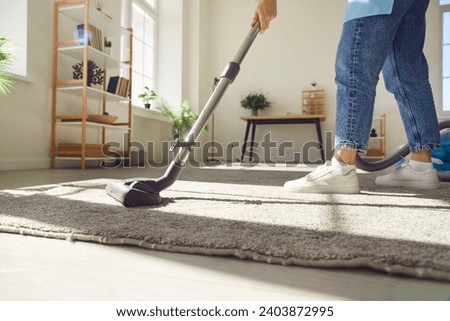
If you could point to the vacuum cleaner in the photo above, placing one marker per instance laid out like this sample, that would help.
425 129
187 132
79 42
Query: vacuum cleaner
146 192
392 159
138 192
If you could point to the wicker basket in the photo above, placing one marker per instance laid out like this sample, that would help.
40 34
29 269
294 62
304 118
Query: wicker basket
74 150
102 119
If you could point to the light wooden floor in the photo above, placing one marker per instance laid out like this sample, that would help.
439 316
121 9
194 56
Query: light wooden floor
46 269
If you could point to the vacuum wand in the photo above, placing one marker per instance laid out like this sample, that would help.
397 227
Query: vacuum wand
146 192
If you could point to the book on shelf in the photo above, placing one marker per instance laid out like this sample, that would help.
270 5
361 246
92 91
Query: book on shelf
94 35
112 84
119 86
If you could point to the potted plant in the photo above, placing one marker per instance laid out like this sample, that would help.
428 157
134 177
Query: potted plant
5 59
255 101
147 96
182 121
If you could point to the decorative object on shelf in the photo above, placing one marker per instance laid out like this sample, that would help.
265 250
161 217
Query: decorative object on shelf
94 35
255 101
5 59
181 122
105 118
94 118
313 101
377 144
95 73
79 35
99 4
107 47
147 96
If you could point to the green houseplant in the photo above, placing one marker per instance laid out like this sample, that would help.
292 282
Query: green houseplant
255 101
5 59
182 121
147 96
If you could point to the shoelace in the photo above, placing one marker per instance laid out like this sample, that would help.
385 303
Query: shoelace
320 170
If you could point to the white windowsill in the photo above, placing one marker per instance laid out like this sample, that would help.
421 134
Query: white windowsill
149 114
26 78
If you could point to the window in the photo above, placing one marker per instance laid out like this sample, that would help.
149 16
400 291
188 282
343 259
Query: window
445 55
144 31
13 25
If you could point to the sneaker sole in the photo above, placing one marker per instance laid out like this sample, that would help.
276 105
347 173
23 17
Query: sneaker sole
415 185
325 190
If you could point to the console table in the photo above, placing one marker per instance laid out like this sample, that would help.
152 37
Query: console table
252 121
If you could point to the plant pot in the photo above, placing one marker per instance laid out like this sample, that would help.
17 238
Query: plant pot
254 112
147 106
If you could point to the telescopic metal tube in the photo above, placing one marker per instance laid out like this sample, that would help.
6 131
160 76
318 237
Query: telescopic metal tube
226 79
222 86
242 52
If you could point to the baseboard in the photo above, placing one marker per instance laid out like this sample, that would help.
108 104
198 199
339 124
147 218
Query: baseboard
20 164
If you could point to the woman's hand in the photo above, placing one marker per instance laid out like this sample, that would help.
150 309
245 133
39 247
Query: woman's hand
266 11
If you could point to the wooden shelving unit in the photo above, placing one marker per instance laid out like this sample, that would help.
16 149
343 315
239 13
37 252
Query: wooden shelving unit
73 99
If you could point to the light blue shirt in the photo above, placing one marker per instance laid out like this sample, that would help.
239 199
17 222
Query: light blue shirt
365 8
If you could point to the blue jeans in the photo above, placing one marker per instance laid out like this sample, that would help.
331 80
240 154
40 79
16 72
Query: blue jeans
393 44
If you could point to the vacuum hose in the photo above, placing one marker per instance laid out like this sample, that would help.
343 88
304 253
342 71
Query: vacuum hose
394 158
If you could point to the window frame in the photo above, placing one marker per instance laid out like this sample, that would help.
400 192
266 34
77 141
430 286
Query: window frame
152 11
443 8
19 68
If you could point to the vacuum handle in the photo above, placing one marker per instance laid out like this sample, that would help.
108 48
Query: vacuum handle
251 36
227 77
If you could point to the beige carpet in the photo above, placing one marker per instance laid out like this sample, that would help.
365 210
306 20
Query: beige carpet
244 213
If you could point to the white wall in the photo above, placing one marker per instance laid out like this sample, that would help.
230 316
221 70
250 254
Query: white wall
25 119
299 48
196 43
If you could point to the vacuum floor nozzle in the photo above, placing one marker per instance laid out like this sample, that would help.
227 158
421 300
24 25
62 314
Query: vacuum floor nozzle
146 192
135 193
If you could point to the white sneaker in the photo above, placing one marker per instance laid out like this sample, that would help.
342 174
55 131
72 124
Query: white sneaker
406 176
325 179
